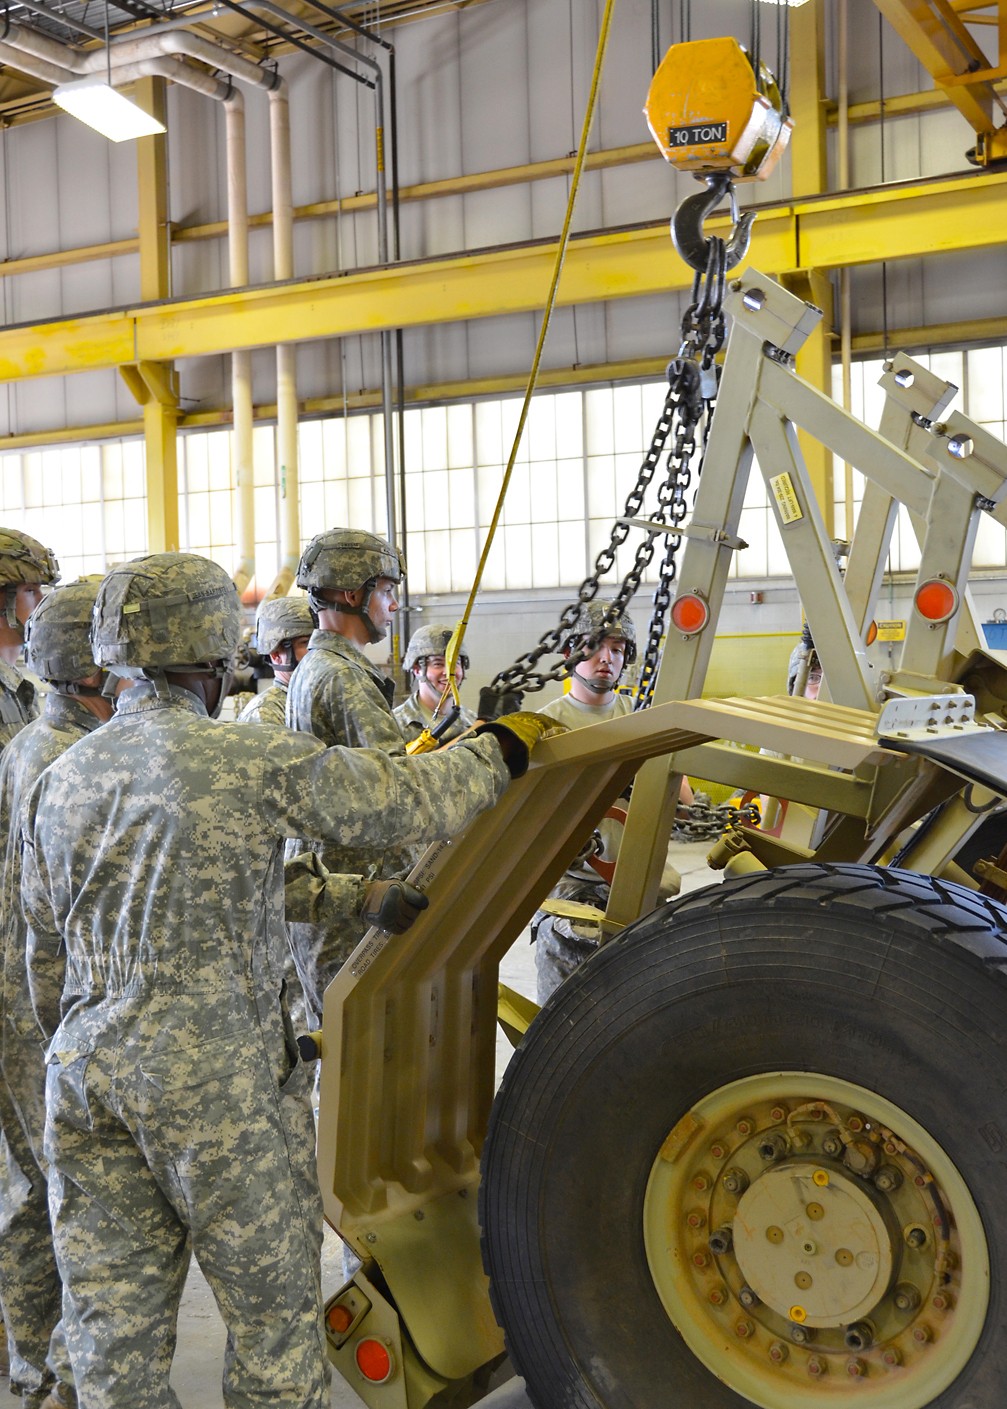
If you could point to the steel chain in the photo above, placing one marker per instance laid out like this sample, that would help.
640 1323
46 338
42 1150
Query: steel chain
704 821
692 392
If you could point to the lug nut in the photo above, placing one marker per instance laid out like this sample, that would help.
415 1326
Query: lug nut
778 1113
891 1356
695 1219
720 1241
801 1335
833 1144
888 1178
922 1335
774 1146
735 1181
817 1366
718 1151
716 1296
856 1368
700 1259
744 1127
778 1352
859 1336
855 1124
744 1329
907 1297
700 1183
941 1301
748 1298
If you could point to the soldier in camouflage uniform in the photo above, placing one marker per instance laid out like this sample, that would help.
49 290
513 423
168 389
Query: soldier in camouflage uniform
25 568
337 695
561 943
283 626
58 649
177 1109
426 671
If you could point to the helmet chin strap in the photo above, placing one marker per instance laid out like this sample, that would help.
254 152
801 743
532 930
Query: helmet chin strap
597 687
11 609
318 603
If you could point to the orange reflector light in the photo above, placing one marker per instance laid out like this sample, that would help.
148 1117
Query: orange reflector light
340 1318
936 600
374 1361
872 633
689 613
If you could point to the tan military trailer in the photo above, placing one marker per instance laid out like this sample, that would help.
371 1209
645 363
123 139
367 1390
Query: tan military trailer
753 1152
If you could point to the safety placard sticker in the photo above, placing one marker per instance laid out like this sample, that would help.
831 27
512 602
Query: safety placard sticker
786 498
697 134
891 631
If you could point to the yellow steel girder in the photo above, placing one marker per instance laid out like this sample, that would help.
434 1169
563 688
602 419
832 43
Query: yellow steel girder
849 228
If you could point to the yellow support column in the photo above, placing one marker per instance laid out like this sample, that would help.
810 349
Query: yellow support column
809 177
155 384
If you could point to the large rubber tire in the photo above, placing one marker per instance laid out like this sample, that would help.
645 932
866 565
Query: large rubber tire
890 981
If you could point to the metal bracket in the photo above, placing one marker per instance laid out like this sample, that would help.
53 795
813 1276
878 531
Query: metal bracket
918 716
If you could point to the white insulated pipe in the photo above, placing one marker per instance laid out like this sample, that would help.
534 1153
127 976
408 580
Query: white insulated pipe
286 353
146 54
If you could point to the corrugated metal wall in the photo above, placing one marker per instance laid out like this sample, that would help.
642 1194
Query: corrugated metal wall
497 85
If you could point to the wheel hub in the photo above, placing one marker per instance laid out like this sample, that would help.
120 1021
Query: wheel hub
816 1251
807 1236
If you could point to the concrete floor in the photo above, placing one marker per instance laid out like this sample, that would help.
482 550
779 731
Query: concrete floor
199 1357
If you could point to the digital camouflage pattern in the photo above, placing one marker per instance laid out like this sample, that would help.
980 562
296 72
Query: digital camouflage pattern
337 695
590 621
57 635
561 944
346 558
269 707
30 1286
281 619
18 702
24 559
430 640
177 1109
163 610
413 717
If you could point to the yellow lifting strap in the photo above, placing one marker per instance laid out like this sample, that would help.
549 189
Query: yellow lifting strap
455 644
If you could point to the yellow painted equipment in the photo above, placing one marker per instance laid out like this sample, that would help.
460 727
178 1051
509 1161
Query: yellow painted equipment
710 112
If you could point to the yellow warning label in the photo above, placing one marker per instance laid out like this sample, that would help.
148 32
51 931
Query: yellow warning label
786 498
891 631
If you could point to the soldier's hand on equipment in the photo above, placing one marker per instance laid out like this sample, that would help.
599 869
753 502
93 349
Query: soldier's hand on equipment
492 704
518 734
392 905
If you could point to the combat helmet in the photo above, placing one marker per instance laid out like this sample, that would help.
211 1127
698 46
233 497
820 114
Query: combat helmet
590 624
23 559
281 619
351 560
430 641
57 635
166 611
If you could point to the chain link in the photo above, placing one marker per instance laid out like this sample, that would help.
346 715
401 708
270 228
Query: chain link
692 390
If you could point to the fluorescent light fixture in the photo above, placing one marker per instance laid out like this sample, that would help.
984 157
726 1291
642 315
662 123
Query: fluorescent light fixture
96 102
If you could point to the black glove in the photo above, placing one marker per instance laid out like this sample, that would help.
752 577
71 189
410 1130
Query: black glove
392 905
492 705
518 734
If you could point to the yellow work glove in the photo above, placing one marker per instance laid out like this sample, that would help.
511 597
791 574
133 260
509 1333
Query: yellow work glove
518 734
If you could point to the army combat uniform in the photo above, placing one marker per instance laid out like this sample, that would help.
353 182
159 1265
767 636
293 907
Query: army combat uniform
30 1286
18 702
177 1106
339 697
414 717
269 707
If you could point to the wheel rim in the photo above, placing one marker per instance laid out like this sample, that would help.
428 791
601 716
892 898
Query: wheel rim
811 1241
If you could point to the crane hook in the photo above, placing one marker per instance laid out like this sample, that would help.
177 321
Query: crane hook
687 224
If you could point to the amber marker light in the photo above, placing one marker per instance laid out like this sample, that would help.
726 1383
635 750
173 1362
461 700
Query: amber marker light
936 600
340 1319
689 613
374 1360
872 634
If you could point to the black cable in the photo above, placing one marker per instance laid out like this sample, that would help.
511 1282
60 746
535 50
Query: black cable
286 35
655 36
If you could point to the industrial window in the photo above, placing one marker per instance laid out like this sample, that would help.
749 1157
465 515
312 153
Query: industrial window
580 455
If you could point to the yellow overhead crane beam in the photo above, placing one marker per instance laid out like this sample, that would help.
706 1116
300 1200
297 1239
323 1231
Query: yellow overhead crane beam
936 32
905 221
